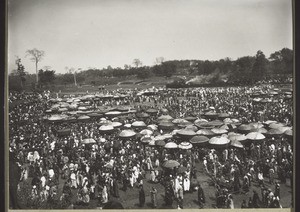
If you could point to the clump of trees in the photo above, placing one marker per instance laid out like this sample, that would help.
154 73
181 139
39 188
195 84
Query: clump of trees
240 71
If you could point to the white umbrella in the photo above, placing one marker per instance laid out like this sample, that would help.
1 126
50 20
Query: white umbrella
185 145
105 128
219 140
146 132
138 124
127 134
171 145
255 136
88 141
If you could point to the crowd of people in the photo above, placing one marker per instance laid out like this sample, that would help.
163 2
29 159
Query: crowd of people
61 167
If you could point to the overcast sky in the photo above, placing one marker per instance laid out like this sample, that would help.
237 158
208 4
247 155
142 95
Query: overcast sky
98 33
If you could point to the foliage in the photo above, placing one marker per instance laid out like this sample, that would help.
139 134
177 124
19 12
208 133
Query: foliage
259 68
35 56
46 77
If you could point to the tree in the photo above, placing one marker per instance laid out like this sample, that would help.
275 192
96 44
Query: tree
46 77
143 73
36 56
259 68
137 63
168 69
282 61
73 72
20 72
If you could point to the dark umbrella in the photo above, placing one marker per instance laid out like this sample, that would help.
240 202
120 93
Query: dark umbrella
142 115
199 140
236 144
190 118
152 111
166 125
171 164
160 143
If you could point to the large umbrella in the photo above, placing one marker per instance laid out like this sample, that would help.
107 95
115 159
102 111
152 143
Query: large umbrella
260 130
237 137
82 108
171 164
106 128
151 111
83 118
223 115
274 132
191 127
88 141
185 124
146 140
146 132
219 131
103 121
166 125
186 133
268 122
245 128
171 145
211 115
205 132
255 136
219 141
62 109
116 124
127 134
200 121
236 144
289 133
160 143
199 140
165 117
142 115
139 124
185 145
190 118
204 125
95 115
113 113
276 125
55 118
179 121
216 123
256 125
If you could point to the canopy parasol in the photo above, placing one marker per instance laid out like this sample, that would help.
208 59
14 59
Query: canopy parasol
185 145
88 141
171 145
138 124
171 164
254 136
127 134
199 139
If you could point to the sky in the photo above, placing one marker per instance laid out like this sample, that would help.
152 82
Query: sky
98 33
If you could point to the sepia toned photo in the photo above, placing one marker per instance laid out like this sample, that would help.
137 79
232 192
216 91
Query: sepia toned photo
161 104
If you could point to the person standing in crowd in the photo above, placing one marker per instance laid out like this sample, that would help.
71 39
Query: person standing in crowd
142 196
153 193
230 203
201 196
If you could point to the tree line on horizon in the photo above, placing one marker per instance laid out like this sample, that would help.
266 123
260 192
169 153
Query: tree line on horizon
246 67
